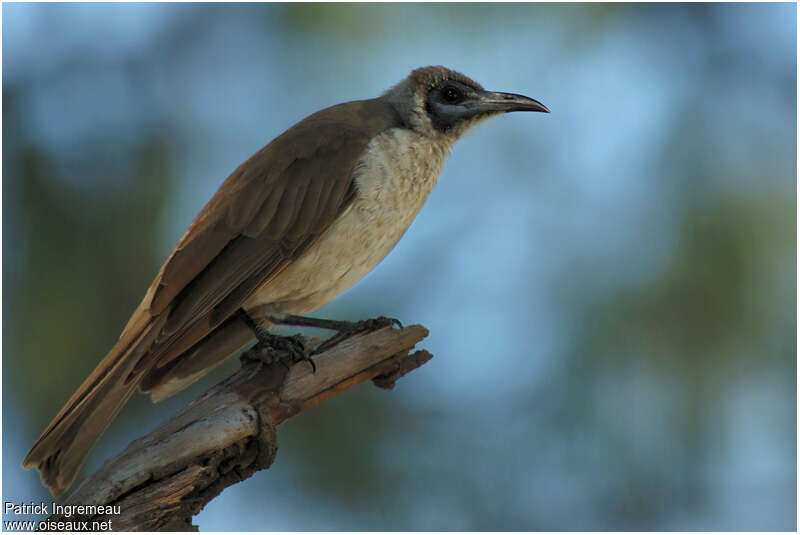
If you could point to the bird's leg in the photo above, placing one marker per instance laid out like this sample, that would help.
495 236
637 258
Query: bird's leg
272 348
344 329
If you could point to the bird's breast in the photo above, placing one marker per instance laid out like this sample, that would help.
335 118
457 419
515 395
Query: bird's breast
393 178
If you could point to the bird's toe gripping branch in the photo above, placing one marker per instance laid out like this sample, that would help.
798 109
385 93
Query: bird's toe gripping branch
344 329
289 350
286 350
271 348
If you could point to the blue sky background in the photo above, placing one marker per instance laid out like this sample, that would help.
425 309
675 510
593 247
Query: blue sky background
610 289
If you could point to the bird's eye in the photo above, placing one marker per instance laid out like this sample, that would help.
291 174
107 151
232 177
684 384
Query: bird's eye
451 94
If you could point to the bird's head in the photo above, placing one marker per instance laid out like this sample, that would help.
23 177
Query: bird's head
439 102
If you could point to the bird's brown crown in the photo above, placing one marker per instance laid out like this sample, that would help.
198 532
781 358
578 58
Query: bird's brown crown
410 98
429 77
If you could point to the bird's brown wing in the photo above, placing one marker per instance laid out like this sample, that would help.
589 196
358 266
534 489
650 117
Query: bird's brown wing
254 239
286 193
268 210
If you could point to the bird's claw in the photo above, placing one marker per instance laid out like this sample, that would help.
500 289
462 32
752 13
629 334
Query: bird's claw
347 329
372 324
286 350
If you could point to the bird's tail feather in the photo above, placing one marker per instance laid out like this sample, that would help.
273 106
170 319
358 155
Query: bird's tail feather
61 450
135 360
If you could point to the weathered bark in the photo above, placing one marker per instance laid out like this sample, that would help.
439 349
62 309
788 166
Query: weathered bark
227 434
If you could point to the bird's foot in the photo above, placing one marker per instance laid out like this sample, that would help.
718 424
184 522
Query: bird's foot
344 329
271 348
373 324
286 350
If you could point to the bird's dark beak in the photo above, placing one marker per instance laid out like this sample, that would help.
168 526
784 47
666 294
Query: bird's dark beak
489 101
478 104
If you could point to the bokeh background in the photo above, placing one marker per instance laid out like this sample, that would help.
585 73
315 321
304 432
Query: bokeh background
610 289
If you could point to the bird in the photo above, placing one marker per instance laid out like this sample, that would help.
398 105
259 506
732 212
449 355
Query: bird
299 222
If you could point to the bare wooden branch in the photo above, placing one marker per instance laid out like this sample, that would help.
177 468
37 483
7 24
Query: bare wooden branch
227 434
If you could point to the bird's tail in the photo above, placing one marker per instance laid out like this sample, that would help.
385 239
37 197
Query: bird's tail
134 361
62 448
